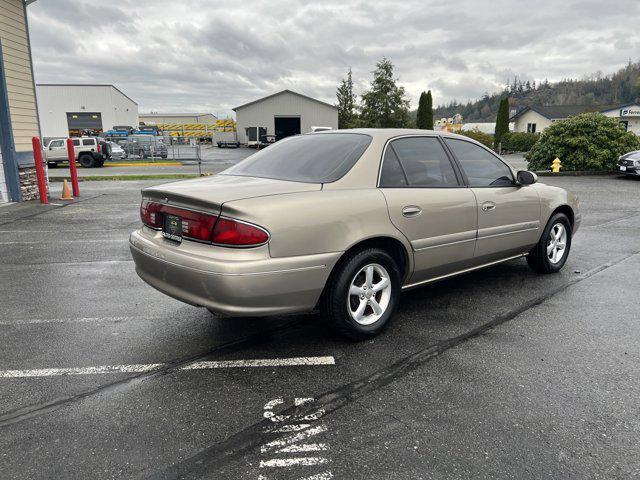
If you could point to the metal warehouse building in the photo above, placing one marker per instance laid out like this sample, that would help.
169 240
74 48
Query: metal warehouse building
68 109
285 113
18 110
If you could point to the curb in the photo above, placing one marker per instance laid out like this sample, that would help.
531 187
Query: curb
143 164
117 178
577 173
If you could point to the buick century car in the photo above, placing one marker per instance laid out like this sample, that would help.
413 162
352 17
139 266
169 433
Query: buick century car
345 221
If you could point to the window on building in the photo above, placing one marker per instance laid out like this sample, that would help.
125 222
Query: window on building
531 127
483 169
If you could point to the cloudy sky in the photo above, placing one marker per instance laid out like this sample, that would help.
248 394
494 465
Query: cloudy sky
209 56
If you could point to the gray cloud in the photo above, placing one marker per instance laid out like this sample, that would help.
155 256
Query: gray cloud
211 56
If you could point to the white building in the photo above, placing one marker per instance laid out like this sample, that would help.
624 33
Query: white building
284 114
536 119
18 110
67 109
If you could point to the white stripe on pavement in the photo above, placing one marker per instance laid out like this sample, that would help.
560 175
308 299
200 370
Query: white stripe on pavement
139 368
289 462
35 321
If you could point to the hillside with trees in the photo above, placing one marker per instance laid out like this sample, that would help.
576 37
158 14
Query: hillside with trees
596 89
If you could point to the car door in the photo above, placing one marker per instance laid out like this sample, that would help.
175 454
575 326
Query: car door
429 204
57 150
508 213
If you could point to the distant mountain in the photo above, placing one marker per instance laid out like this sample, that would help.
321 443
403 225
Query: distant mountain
597 89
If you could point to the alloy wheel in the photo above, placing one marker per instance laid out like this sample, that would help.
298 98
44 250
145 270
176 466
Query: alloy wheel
557 243
369 294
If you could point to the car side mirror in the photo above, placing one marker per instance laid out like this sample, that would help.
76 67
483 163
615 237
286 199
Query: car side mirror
525 177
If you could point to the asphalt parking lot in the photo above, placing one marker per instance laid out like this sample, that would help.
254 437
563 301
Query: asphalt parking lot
500 373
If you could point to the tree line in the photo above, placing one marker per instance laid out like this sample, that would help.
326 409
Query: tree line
620 87
383 105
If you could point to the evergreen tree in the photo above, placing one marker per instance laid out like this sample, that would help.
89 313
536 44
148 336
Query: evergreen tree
429 111
347 115
502 121
385 105
421 115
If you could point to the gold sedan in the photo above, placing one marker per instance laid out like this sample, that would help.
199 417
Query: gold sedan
346 220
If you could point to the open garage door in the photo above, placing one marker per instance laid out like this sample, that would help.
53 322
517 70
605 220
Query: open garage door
287 126
84 123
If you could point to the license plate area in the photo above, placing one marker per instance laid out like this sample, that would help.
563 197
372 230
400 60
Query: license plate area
172 227
623 168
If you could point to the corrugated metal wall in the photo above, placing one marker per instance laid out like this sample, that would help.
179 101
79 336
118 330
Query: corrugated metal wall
55 101
19 78
263 112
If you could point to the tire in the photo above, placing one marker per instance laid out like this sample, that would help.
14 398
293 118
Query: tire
87 161
52 164
558 230
341 307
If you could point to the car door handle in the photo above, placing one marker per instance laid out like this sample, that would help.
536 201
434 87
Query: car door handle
411 211
488 206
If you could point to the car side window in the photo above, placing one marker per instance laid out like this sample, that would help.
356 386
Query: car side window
392 174
88 141
483 169
422 161
76 143
56 143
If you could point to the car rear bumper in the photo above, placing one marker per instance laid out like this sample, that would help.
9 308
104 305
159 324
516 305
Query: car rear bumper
228 286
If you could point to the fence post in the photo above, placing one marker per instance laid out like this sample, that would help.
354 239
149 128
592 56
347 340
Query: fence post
71 154
42 181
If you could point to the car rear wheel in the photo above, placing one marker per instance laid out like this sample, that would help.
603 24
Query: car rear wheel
552 250
87 161
363 294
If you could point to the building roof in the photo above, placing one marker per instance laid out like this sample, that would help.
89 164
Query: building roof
554 112
85 85
280 93
176 115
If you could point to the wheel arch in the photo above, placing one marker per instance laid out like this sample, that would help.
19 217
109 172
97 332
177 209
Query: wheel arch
567 210
394 247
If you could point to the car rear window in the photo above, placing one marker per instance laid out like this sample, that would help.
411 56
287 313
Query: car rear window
314 158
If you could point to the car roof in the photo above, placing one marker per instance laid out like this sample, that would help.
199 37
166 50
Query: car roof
387 133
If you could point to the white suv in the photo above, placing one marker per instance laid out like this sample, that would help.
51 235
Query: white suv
90 151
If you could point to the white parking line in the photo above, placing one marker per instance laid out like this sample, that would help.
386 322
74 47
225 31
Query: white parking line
35 321
140 368
49 242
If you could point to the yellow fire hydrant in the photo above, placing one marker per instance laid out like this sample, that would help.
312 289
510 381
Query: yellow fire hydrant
555 166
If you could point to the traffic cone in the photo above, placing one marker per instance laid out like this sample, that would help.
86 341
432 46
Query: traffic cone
66 194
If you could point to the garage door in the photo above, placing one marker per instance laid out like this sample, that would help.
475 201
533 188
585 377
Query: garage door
287 126
84 123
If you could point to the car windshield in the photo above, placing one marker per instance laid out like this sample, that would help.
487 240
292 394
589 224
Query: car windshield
315 158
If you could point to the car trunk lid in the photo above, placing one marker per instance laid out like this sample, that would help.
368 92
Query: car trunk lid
209 193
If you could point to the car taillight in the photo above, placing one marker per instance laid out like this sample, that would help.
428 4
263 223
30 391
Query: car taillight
234 233
204 227
150 214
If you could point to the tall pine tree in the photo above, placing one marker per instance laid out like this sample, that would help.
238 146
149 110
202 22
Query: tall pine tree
429 111
347 115
421 116
385 105
502 122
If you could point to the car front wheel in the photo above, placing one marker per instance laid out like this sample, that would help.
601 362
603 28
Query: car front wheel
552 250
363 294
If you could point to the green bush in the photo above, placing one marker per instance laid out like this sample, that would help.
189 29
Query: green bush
519 141
484 138
590 141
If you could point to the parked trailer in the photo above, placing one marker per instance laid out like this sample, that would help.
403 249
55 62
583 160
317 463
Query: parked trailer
226 139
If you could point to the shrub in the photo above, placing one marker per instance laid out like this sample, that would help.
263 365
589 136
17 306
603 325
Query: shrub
484 138
589 141
519 141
